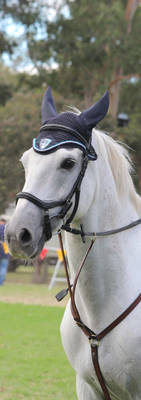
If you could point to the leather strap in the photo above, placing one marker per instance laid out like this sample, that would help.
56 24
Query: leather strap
45 205
120 318
92 336
74 231
94 352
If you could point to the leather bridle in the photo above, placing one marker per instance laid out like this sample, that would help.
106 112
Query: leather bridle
66 204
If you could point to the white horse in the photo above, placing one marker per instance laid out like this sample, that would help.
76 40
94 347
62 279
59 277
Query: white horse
111 277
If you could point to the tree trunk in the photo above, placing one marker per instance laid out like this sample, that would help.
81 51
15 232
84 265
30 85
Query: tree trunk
118 71
40 273
115 91
130 11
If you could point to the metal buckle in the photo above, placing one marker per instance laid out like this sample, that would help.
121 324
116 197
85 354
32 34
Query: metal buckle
80 324
94 342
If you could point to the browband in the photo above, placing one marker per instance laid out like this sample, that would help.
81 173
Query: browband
63 128
83 142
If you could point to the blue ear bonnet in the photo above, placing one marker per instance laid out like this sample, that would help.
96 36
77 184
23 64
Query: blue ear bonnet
62 131
68 129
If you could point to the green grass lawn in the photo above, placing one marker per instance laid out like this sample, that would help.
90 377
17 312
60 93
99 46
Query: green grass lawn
32 361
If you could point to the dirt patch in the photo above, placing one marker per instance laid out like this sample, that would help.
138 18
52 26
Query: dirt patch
49 301
31 294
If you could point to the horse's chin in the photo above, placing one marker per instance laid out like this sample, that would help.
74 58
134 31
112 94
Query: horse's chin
55 227
30 252
29 249
46 237
38 247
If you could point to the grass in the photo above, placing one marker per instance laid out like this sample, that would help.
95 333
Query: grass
32 361
33 365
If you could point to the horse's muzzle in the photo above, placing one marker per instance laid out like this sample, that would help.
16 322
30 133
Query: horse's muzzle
23 241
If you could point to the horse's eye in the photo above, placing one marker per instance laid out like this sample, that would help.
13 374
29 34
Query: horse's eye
68 163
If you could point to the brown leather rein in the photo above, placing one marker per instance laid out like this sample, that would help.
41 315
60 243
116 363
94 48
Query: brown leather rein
94 338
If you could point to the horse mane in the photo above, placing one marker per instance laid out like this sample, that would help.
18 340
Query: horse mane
120 162
121 166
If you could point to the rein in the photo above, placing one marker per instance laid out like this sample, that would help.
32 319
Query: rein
80 232
94 338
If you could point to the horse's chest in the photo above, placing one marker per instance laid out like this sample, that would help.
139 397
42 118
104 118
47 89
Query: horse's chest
118 359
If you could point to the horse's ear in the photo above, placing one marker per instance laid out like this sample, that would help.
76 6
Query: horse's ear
48 109
96 113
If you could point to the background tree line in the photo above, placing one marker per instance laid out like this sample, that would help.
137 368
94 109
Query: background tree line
80 48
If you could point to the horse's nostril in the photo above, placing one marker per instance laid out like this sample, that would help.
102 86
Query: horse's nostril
25 236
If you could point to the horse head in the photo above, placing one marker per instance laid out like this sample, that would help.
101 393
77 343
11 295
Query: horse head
54 169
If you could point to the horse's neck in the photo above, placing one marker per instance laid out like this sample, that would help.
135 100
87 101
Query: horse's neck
110 279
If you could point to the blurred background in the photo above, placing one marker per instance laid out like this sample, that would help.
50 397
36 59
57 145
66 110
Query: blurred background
78 47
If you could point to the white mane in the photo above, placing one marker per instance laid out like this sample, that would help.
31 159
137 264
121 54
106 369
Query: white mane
121 166
120 162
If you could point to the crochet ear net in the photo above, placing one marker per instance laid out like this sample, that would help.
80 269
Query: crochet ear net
48 109
95 113
88 119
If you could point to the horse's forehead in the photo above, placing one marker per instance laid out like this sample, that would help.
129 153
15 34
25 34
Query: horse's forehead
30 158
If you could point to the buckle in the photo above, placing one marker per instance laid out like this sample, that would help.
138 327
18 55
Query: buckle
94 342
80 324
82 234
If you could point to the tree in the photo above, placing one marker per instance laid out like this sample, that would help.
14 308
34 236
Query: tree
93 44
25 14
131 39
20 122
8 84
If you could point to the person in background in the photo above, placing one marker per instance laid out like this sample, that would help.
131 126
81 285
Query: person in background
4 254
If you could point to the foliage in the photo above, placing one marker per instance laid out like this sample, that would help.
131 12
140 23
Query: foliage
88 42
8 83
5 44
27 12
25 17
20 123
